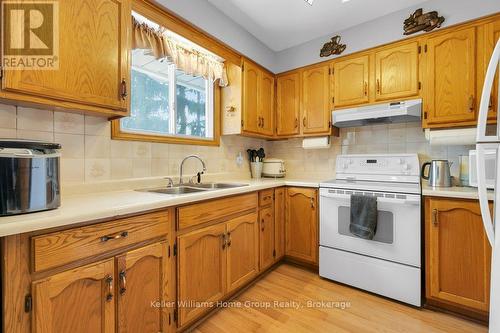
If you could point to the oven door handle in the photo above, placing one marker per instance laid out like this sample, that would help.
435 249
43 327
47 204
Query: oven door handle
347 197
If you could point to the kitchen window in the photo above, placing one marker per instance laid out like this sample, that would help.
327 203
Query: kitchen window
168 104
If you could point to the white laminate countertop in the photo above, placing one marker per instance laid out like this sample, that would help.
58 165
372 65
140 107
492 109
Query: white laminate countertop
460 192
113 204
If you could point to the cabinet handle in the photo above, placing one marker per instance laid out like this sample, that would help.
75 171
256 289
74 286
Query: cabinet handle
123 282
435 217
223 236
296 122
109 282
471 103
263 122
378 86
122 234
312 202
123 88
304 121
229 239
262 222
366 88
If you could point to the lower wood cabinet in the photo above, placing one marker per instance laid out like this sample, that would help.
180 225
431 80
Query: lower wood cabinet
267 251
214 261
301 224
76 301
458 256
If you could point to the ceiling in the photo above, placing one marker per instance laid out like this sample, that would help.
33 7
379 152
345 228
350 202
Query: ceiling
281 24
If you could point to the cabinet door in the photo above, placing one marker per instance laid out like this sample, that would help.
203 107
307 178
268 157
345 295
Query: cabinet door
242 250
351 81
251 77
93 56
396 72
302 224
316 104
76 301
288 101
266 103
490 38
279 222
458 253
266 219
143 277
201 270
451 74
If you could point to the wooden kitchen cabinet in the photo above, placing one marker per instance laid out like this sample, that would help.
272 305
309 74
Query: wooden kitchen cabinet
288 104
94 64
301 224
450 82
77 301
242 251
489 37
316 100
458 256
201 270
279 223
266 103
351 81
251 87
143 277
396 72
267 250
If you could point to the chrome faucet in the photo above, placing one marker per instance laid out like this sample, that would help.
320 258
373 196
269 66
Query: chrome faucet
182 165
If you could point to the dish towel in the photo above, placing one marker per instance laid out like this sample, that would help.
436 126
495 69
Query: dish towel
363 216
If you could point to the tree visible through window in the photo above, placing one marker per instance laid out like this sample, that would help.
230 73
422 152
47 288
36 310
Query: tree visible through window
166 101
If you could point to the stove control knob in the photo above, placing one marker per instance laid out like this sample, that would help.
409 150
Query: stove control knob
345 165
401 161
406 167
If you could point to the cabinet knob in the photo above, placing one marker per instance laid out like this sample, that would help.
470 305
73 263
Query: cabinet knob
123 89
435 217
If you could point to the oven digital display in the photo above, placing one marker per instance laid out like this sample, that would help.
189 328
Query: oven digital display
371 161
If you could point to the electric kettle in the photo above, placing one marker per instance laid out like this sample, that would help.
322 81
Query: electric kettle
439 174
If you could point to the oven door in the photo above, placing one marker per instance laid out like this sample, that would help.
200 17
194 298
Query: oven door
397 238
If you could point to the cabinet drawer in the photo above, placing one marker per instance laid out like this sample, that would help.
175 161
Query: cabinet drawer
63 247
266 197
196 214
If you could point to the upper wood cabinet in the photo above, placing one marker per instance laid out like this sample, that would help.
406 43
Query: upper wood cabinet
93 73
242 251
316 100
76 301
288 104
251 87
143 276
266 103
201 269
248 101
458 254
450 81
489 38
301 224
396 72
351 81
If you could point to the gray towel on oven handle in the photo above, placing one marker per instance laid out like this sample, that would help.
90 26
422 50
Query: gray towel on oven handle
363 222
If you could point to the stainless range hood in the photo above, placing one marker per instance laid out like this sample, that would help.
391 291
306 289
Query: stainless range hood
386 113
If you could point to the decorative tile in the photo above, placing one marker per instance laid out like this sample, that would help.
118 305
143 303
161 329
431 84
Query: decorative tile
97 169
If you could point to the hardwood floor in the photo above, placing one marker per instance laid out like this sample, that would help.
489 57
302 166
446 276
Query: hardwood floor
363 312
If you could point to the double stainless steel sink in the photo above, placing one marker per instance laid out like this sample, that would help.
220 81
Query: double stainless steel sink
193 188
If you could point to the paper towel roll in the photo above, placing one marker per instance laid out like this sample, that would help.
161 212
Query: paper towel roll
451 137
316 143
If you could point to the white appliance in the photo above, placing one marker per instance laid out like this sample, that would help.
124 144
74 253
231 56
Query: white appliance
385 113
390 264
490 157
273 167
487 143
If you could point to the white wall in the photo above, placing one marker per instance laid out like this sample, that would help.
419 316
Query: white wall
208 18
383 30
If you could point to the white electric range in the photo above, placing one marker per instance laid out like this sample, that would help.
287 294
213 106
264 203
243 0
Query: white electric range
390 263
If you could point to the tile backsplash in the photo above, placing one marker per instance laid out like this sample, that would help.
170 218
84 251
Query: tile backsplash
89 154
376 139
